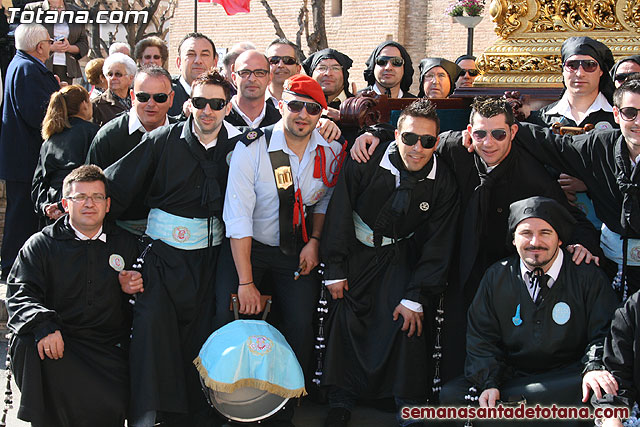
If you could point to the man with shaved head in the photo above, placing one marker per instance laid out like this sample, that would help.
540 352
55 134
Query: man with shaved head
251 76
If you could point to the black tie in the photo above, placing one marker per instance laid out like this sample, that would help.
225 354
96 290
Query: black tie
388 92
539 280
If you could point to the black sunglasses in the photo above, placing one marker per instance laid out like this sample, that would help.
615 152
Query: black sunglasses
473 72
497 134
628 113
160 98
410 138
313 108
589 65
288 60
396 61
216 104
621 77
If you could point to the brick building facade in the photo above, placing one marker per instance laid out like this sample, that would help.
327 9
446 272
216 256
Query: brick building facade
354 27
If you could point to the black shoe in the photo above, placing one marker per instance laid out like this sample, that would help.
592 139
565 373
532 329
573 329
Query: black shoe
338 417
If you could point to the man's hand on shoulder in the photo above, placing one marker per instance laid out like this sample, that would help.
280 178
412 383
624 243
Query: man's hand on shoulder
51 346
598 381
580 253
363 147
489 397
130 282
328 129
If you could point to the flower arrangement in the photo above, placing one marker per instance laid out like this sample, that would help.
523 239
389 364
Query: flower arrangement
470 7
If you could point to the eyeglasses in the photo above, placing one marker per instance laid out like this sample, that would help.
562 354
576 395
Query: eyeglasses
628 113
396 61
622 77
117 74
497 134
410 138
472 72
313 108
325 69
160 98
247 73
156 57
82 198
216 104
588 65
287 60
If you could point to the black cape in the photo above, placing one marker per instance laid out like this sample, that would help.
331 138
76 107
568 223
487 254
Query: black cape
59 282
387 362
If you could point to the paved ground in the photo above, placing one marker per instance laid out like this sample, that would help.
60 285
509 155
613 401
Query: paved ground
309 414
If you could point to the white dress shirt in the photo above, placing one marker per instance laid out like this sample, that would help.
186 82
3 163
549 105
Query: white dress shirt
253 124
564 108
135 123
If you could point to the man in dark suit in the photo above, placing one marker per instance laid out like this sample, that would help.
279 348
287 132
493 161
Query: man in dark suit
29 85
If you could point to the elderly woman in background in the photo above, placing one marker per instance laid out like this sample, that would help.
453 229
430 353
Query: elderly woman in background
151 50
93 71
67 131
119 69
70 41
437 77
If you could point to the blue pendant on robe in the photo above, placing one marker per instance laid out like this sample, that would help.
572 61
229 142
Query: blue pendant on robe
516 319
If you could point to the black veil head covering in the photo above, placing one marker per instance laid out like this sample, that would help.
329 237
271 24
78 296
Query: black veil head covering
463 57
453 71
633 58
598 51
544 208
407 78
315 58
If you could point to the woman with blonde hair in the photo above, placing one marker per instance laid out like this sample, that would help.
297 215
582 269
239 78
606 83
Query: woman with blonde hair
67 132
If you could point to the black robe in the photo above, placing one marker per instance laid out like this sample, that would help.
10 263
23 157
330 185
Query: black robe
498 350
174 315
518 177
271 116
59 155
387 362
405 94
180 97
59 282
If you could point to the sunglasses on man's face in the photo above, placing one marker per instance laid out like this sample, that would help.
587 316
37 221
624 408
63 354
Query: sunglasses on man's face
497 134
589 65
216 104
160 98
472 72
628 113
287 60
313 108
410 138
396 61
622 77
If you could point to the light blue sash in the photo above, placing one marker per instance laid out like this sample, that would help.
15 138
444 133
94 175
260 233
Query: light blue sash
611 244
364 233
183 233
133 226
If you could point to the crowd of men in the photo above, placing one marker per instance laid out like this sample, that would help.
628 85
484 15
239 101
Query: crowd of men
474 267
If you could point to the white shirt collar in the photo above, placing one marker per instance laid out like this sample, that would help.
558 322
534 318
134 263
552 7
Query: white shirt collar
376 90
279 142
268 96
135 123
553 273
253 124
185 85
99 235
564 109
635 161
385 163
231 132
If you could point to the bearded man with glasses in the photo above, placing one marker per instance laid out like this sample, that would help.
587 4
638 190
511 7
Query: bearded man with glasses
152 97
180 173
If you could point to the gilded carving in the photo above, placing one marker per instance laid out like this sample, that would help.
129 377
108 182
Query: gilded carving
507 15
631 14
575 15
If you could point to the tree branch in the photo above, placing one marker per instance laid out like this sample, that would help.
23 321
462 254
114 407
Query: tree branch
276 23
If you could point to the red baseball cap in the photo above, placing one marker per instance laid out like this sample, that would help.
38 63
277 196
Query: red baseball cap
302 85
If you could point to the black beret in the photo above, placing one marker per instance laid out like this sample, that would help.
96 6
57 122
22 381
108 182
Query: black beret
544 208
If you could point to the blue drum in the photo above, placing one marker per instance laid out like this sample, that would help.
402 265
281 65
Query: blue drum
249 371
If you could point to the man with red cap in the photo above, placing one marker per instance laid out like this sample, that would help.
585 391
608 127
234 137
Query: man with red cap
281 178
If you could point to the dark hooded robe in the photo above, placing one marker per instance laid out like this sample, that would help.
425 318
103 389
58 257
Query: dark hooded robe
633 58
602 54
413 267
452 70
407 78
345 62
59 282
